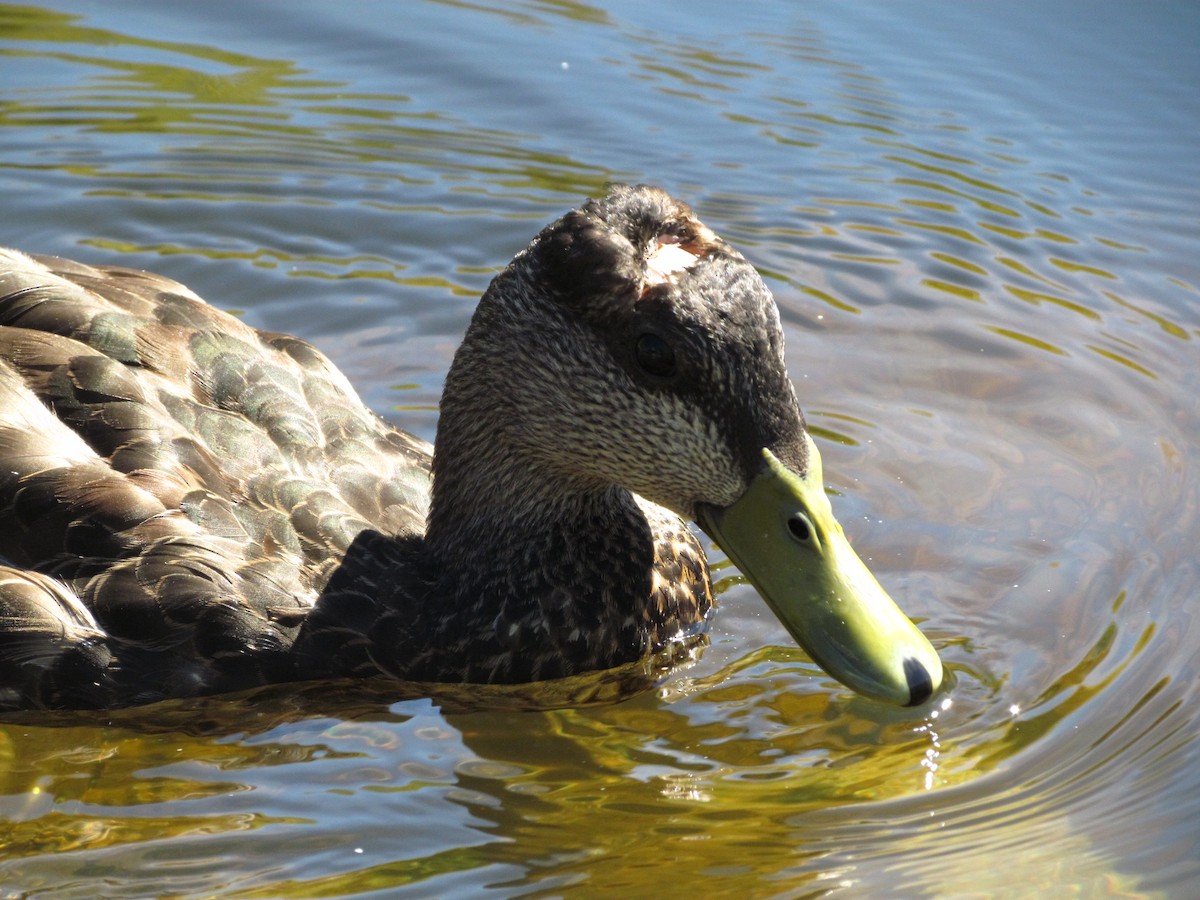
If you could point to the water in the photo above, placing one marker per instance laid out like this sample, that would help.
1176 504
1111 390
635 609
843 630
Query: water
981 224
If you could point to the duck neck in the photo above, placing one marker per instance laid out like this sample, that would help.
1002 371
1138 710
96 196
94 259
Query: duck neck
496 486
540 572
497 509
545 579
483 479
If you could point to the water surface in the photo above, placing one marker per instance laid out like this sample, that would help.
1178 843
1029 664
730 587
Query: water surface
981 224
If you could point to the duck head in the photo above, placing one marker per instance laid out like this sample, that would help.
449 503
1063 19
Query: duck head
652 353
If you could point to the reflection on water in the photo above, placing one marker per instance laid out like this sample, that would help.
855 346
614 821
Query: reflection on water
987 274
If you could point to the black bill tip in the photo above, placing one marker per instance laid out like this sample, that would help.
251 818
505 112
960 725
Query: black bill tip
920 683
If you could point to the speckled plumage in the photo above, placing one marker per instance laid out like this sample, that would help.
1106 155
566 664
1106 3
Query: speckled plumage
189 506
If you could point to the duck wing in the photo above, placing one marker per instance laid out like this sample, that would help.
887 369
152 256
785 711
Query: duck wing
175 486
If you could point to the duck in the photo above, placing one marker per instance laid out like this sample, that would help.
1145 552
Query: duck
192 506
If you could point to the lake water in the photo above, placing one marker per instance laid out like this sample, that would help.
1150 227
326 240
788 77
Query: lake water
982 224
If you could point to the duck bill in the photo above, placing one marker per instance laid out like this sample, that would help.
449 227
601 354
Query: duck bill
782 535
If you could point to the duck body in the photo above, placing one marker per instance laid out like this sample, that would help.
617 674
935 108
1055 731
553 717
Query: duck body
190 506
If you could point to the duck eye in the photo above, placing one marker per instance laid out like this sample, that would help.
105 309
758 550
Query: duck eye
655 356
800 527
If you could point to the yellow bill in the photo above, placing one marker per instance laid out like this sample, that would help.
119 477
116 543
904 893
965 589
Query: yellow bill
782 535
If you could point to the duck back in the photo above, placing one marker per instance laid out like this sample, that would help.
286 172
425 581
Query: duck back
176 488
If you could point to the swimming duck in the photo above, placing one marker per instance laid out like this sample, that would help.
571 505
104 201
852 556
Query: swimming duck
191 506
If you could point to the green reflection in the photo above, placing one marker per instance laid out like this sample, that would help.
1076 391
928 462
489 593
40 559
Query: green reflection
953 231
864 258
567 9
939 155
935 205
286 124
956 290
1020 234
59 832
830 435
873 229
1118 245
959 262
1027 340
237 80
961 178
1073 689
91 787
1161 321
825 431
37 24
383 876
827 119
1038 297
1017 266
829 299
1122 360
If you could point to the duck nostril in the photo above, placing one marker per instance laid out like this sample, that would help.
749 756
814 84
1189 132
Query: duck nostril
800 527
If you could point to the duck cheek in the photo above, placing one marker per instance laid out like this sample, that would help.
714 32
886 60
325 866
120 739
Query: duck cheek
680 471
